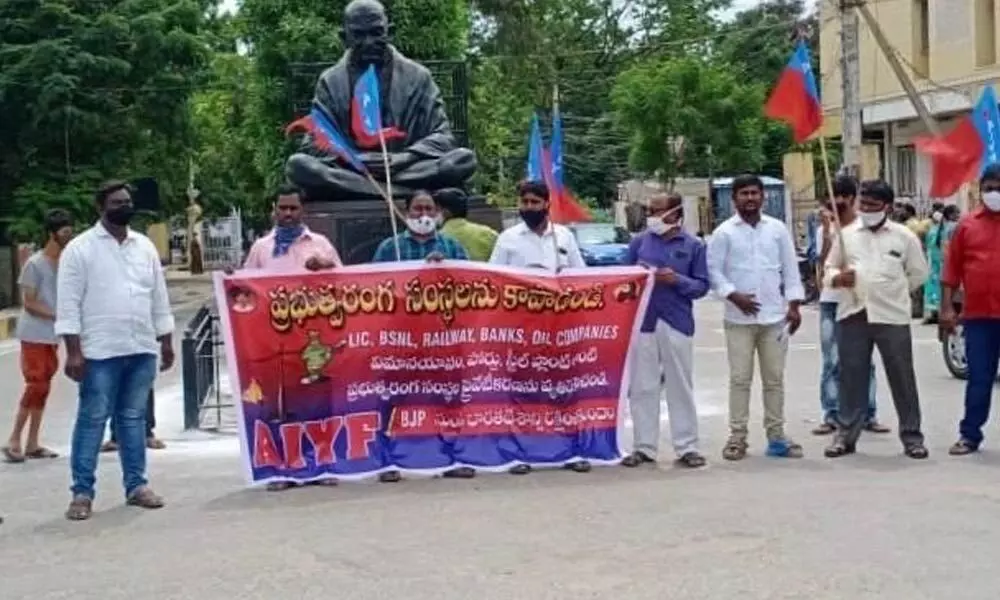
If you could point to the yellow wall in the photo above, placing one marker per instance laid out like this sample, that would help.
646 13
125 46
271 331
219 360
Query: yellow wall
952 57
158 233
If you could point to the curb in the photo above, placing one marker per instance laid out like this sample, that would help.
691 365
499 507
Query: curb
8 326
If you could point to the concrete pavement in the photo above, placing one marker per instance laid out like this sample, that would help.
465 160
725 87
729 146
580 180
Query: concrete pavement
875 525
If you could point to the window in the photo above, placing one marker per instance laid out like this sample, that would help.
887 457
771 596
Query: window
905 171
986 32
921 38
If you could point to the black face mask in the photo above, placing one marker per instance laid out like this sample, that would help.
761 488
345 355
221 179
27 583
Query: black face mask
120 216
533 218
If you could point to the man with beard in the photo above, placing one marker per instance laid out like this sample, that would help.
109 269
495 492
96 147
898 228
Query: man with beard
423 153
845 191
113 313
39 344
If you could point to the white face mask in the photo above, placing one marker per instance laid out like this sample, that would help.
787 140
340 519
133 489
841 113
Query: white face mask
937 216
992 201
872 219
656 225
423 225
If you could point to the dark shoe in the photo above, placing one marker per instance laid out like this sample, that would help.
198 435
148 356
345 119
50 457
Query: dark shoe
144 497
692 460
328 482
917 451
521 469
109 446
154 443
460 473
279 486
390 477
874 426
824 429
963 447
636 459
580 466
80 508
735 449
839 448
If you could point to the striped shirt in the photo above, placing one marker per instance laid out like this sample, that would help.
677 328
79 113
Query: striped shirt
411 248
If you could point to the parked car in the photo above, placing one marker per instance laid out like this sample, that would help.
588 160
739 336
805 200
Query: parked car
601 244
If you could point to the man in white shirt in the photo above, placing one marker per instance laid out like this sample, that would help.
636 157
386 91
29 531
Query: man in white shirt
752 263
845 192
885 263
114 315
538 243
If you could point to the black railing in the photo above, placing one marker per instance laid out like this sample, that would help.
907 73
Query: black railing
202 362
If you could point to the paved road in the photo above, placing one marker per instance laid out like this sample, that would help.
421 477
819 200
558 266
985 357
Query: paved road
875 525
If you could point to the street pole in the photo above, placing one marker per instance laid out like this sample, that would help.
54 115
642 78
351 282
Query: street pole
850 68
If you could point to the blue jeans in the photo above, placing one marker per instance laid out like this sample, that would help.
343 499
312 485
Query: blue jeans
117 387
829 386
982 351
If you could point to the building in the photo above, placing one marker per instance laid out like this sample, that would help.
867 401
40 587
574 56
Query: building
949 48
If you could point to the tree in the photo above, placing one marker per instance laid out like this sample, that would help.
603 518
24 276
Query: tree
717 116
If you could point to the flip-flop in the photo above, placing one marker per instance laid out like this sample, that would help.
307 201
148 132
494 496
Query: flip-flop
11 456
41 453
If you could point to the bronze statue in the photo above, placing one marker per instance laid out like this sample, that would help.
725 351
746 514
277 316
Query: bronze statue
423 153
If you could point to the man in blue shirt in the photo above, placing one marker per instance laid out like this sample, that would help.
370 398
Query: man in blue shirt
664 351
421 240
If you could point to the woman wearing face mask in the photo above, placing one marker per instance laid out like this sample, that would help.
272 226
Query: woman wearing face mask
932 287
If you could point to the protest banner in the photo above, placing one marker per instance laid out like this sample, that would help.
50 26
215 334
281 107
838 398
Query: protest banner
423 368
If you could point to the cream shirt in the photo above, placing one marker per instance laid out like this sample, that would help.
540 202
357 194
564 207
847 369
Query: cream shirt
888 263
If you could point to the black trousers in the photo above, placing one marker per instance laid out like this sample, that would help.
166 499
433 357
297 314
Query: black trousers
855 341
150 418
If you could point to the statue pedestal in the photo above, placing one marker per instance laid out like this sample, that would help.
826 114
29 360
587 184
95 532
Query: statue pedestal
356 228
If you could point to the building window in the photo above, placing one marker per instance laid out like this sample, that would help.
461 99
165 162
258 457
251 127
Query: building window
905 173
986 33
921 38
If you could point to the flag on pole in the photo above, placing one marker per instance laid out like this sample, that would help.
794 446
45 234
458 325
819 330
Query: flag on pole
962 154
795 98
366 113
536 167
563 207
327 137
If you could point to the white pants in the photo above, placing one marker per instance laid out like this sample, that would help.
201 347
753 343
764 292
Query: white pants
663 364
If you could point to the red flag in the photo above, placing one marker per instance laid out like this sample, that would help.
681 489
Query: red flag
795 98
955 157
563 207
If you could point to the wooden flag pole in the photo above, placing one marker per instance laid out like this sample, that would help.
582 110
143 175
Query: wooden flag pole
388 190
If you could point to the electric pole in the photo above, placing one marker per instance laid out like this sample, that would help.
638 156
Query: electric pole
850 70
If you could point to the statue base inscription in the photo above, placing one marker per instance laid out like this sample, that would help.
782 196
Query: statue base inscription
357 227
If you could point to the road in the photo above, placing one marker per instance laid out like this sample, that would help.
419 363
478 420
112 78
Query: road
874 525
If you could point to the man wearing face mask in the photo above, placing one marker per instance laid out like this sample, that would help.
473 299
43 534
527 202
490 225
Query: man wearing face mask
665 348
39 344
113 313
845 191
537 243
422 241
972 264
884 263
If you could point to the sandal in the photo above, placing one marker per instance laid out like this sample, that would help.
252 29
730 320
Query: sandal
963 447
736 449
41 453
521 469
144 497
839 448
460 473
636 459
692 460
80 508
917 451
279 486
876 427
390 477
784 448
12 456
825 429
580 466
155 443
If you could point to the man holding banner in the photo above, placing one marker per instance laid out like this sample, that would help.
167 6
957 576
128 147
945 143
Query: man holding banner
665 347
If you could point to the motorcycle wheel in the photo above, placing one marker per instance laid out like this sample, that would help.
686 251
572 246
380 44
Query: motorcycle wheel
953 348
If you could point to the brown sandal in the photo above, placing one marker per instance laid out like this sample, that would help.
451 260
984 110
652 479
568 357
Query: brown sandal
963 447
824 429
154 443
736 449
41 453
80 508
11 456
636 459
145 498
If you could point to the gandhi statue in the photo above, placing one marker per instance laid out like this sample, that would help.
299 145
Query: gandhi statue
422 151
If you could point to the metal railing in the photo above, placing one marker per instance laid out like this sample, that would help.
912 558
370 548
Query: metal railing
202 363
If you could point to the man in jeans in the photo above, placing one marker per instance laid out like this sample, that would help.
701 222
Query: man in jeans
114 314
845 191
752 263
39 345
152 442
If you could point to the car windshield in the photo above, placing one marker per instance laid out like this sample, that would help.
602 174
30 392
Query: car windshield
592 235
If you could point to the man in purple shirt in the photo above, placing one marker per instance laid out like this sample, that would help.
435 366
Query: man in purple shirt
665 348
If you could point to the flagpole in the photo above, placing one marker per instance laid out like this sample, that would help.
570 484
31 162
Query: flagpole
388 190
555 115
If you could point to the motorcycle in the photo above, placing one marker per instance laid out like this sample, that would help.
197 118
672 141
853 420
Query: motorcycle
807 272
